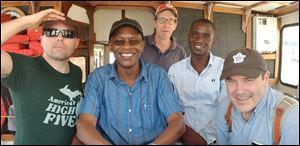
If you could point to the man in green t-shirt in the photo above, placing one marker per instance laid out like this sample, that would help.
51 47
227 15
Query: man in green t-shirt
45 90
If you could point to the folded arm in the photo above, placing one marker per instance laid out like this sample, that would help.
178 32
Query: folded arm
174 130
87 132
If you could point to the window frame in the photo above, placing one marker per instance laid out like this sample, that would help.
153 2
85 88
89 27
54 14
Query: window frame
281 55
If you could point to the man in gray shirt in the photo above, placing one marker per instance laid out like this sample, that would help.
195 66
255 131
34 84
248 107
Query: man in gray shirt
160 47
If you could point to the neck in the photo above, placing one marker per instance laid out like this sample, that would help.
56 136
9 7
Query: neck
246 116
162 43
199 63
61 66
128 75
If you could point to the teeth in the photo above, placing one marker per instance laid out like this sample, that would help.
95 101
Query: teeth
242 98
197 47
126 55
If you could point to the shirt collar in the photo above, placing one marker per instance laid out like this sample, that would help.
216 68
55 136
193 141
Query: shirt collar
151 42
262 102
142 75
210 61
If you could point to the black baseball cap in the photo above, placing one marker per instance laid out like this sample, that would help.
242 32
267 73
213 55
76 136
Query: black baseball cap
126 22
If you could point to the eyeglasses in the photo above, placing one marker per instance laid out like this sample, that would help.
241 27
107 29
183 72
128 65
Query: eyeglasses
120 42
163 20
51 32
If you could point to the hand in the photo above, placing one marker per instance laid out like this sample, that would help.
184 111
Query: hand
46 15
191 137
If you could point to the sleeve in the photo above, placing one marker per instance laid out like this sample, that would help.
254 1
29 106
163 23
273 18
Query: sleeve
222 130
93 94
290 127
183 54
223 92
172 77
18 73
209 132
168 101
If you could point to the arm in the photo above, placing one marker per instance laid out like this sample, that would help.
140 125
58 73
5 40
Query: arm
87 132
8 29
290 127
6 64
191 137
223 137
173 132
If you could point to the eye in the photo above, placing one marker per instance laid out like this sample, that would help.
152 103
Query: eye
118 42
134 42
207 35
193 34
161 19
249 80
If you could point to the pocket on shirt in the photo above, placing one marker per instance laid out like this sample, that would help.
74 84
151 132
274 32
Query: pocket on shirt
147 115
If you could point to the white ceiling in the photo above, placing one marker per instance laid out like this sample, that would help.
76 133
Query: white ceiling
265 7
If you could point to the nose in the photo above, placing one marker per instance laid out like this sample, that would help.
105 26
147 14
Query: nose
240 89
60 37
126 45
199 36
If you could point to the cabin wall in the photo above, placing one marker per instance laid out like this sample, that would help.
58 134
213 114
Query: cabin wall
104 18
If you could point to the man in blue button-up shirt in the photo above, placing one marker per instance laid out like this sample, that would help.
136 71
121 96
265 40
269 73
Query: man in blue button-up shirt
129 102
252 114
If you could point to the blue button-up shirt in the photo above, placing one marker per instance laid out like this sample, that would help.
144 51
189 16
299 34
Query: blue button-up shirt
259 127
199 94
136 115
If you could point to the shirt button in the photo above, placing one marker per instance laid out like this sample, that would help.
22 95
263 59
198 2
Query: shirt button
129 110
130 130
129 93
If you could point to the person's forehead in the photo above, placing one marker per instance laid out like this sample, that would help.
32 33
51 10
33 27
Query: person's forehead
127 30
240 77
167 14
59 25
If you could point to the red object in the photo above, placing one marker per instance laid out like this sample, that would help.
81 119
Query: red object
18 39
5 17
36 48
34 34
12 47
3 112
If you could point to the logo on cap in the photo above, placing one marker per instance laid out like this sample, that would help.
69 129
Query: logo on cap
238 58
163 7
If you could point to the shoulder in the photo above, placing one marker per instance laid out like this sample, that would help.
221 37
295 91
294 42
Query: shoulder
74 67
20 57
178 65
217 59
154 68
148 39
179 48
223 105
102 72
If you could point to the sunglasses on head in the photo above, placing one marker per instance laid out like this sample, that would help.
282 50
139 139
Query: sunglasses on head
51 32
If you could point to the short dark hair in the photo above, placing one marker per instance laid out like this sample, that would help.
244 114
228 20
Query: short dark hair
204 21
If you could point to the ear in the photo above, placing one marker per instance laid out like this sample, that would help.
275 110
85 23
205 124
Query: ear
42 41
175 26
266 78
109 47
143 46
77 42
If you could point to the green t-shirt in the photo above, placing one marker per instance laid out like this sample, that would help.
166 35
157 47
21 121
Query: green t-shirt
45 100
